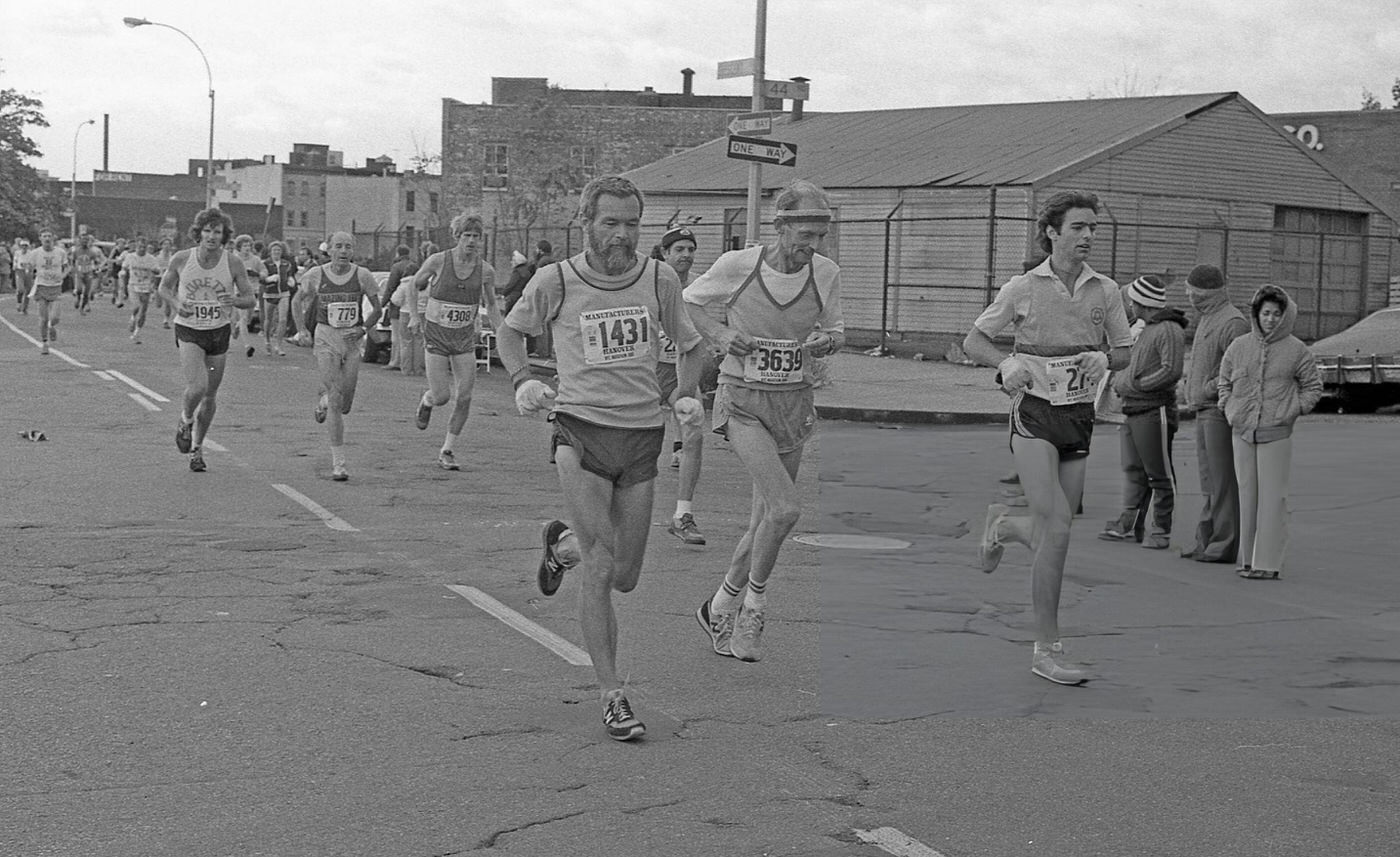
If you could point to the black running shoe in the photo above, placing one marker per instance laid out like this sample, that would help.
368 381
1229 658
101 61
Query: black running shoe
197 461
618 719
184 437
425 413
551 569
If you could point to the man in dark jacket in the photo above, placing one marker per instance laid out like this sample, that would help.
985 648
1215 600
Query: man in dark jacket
1218 530
1148 390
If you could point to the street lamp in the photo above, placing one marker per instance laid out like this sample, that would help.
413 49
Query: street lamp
73 186
209 162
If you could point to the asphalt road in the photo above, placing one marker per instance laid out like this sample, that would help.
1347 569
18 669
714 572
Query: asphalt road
202 664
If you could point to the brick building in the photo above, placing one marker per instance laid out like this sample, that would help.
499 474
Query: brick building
522 159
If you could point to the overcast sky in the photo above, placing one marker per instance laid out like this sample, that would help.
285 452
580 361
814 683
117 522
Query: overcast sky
368 78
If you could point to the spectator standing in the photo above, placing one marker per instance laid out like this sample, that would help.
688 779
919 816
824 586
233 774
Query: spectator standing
1147 389
1268 379
1220 323
403 267
520 273
7 269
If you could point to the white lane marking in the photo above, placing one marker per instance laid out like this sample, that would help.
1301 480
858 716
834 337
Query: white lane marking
36 343
890 840
103 375
144 402
209 444
138 387
550 640
316 509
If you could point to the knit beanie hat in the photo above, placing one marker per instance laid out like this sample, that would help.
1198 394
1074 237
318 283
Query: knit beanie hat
1148 291
1206 277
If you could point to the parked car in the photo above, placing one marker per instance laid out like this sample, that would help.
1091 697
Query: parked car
1360 366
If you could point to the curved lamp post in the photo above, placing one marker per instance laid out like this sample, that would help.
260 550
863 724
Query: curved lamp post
73 186
209 162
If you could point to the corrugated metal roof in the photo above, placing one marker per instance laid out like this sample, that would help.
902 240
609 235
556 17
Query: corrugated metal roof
979 145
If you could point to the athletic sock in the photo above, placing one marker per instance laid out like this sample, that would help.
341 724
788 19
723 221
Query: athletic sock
726 599
757 596
337 456
426 401
449 441
683 507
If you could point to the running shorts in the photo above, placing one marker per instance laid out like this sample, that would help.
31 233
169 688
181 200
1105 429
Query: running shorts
211 342
339 343
789 416
449 341
48 293
622 456
1068 428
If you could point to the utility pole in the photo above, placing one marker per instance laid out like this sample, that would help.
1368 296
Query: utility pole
760 39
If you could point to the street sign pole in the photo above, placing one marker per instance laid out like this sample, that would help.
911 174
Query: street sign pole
756 169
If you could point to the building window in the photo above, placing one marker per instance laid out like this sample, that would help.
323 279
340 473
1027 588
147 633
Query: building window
291 218
409 201
408 236
304 191
432 202
495 169
323 190
303 219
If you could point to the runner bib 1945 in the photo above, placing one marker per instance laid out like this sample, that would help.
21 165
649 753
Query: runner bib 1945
774 361
613 335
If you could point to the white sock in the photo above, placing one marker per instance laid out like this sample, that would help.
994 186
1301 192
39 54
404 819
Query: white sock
683 507
427 399
723 602
337 456
449 441
755 600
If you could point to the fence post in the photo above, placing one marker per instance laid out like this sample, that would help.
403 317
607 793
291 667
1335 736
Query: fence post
885 287
991 245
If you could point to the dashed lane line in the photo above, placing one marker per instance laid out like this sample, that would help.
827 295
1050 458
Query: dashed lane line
138 387
550 640
332 521
144 402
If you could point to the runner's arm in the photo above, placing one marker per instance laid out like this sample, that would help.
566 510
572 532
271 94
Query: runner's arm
489 298
421 280
304 294
371 291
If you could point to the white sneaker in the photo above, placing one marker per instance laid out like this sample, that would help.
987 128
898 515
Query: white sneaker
747 642
989 550
1045 662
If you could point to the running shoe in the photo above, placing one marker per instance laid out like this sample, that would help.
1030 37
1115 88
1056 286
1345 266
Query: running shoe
551 572
1045 663
618 719
989 550
322 406
720 628
676 460
425 413
1115 532
448 461
136 337
684 529
1157 542
197 461
747 642
43 348
251 350
184 436
339 473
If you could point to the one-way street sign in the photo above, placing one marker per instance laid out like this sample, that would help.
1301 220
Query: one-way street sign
763 151
751 124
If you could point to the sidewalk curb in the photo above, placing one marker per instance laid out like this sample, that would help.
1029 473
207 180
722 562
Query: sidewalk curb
942 418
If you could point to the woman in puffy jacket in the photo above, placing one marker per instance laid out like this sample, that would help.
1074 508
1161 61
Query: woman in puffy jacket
1268 379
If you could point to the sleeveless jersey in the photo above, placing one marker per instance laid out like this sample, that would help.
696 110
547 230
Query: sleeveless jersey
200 288
338 304
453 301
87 260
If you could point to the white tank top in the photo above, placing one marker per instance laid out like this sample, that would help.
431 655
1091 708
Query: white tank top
201 288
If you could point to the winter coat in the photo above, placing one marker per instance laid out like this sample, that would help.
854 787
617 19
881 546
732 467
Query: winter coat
1220 324
1268 381
1154 366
